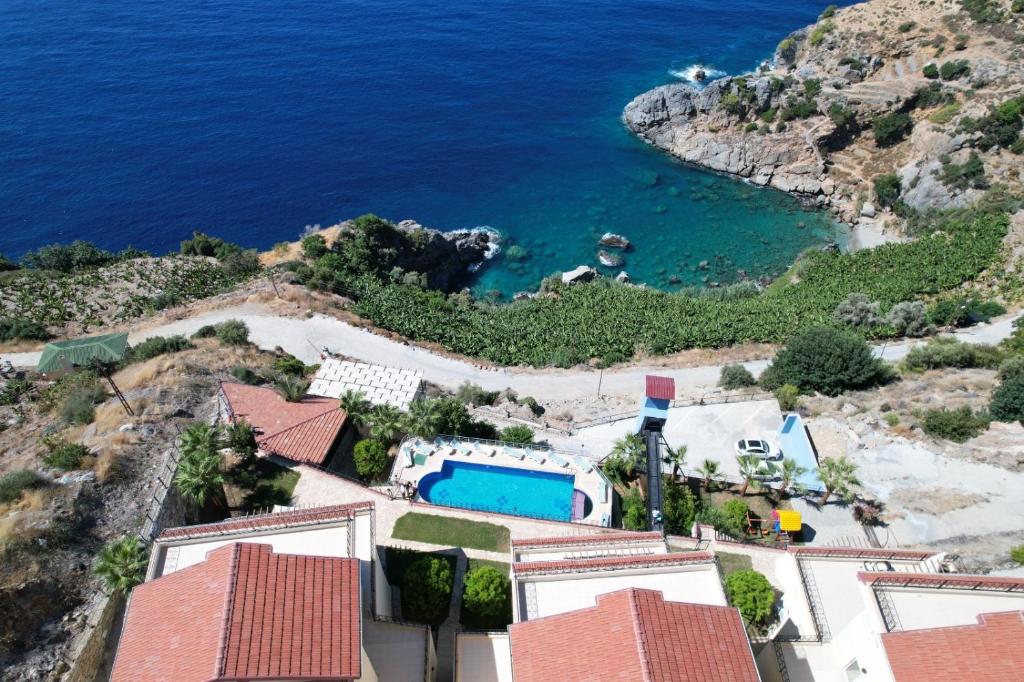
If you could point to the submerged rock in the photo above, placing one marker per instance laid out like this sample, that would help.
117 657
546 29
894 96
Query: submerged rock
623 277
610 260
614 241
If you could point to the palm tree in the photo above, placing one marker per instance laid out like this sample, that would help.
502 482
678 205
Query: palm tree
709 469
200 479
200 438
291 388
122 563
356 406
789 474
385 423
422 419
676 458
838 475
752 468
632 452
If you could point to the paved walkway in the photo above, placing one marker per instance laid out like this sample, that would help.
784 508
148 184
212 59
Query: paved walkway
304 338
450 627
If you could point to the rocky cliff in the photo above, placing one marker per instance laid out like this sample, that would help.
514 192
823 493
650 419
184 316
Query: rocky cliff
928 93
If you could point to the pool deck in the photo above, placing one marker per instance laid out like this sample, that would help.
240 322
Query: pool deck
418 457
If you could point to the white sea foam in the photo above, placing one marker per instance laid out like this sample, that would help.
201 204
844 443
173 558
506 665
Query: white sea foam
493 245
689 74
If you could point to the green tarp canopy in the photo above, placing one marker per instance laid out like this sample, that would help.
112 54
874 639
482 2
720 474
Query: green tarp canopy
63 355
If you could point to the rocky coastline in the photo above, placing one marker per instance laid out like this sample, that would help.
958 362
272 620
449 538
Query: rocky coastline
804 122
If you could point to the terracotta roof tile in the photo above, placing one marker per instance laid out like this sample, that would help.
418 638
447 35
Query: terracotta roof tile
610 538
287 519
245 613
302 431
660 388
991 651
634 635
609 562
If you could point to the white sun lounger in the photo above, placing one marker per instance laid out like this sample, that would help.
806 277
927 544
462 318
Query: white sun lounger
516 454
491 452
535 456
558 460
409 459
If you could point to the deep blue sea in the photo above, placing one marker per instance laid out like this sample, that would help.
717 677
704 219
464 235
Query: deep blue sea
138 122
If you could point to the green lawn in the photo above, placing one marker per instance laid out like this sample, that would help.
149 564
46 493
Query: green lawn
263 484
733 562
449 531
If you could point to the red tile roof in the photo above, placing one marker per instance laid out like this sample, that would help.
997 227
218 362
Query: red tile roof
609 562
245 613
302 431
991 651
634 635
862 553
955 580
660 388
287 519
603 538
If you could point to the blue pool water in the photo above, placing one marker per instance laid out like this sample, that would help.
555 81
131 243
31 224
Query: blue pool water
139 122
796 445
505 490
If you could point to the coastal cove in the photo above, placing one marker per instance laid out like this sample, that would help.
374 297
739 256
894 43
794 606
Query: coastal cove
458 115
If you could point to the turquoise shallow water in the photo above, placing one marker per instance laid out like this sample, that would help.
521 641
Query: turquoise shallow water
137 123
521 492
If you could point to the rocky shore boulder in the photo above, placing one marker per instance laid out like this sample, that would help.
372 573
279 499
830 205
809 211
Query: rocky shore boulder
614 241
609 259
444 257
579 275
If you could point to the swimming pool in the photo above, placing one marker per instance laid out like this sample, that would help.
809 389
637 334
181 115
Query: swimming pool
484 487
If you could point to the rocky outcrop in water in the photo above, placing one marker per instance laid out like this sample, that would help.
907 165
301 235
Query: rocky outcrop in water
614 241
443 257
805 124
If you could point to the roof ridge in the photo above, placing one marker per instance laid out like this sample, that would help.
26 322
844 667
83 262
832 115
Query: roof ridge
229 603
268 436
639 633
297 517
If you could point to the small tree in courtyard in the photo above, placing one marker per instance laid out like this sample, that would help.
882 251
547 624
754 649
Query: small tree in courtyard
427 589
371 458
752 594
487 597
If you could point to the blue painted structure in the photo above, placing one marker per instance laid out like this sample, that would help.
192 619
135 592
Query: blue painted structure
795 444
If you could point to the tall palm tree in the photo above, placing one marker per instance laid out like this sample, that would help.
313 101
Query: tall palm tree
356 406
709 469
789 473
752 468
122 563
632 451
676 458
200 479
200 438
423 418
838 475
385 423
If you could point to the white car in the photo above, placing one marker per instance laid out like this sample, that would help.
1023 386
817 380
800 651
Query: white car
758 448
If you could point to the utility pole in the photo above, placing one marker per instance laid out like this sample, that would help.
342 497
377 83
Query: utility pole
600 379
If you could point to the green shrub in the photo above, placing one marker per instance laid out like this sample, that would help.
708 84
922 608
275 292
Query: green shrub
289 364
247 376
14 390
957 425
66 456
469 393
908 318
983 11
155 346
967 175
946 114
842 116
828 12
122 564
736 376
962 312
233 333
906 27
752 594
12 484
1000 128
531 402
788 396
954 70
819 32
313 246
1017 554
207 331
679 507
78 255
812 87
634 510
371 458
516 433
716 517
750 127
427 590
768 115
79 406
826 360
241 437
931 95
239 264
1008 400
890 129
930 71
732 103
857 310
736 511
888 189
1011 367
17 329
945 351
487 597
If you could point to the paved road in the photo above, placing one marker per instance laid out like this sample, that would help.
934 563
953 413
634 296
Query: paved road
304 337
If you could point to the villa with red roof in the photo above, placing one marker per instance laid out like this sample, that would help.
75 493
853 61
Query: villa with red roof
294 595
310 431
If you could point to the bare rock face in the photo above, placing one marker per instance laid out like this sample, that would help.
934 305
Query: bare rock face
445 257
583 273
688 123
